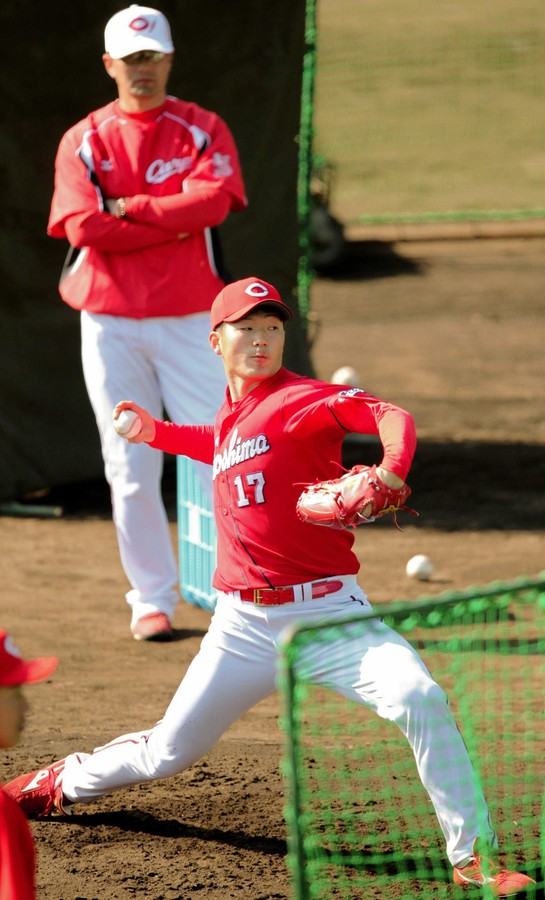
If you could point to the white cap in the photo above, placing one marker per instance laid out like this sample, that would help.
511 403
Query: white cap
137 28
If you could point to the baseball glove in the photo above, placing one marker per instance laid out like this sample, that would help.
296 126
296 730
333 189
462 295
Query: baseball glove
341 502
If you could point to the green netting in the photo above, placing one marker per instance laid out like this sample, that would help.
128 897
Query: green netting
360 824
305 156
429 107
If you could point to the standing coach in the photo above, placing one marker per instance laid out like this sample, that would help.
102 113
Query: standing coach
140 186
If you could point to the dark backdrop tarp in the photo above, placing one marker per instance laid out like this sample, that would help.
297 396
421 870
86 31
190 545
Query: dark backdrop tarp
242 58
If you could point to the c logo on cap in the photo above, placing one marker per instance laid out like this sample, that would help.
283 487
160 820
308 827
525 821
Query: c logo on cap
256 290
141 24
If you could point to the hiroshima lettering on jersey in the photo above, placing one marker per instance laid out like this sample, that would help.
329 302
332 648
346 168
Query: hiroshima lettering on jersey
239 451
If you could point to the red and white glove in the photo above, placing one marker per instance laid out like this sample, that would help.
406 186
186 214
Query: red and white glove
358 496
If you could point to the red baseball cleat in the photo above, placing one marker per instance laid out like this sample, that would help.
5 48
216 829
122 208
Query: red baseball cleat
153 627
39 793
481 870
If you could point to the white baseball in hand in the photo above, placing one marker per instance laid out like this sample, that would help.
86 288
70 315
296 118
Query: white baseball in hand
420 567
128 423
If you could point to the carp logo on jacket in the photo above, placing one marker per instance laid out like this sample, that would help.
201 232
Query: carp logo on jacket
160 169
238 451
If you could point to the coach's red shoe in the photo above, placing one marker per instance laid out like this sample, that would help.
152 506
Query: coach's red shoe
154 626
39 793
481 870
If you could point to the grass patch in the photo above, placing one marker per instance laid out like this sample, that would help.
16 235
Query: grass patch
431 105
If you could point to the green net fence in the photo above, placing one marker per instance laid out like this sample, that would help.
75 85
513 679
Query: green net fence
428 109
360 824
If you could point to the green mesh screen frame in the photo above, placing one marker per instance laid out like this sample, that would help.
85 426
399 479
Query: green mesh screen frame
360 824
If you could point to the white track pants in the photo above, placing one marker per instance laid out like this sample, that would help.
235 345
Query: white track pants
236 667
165 365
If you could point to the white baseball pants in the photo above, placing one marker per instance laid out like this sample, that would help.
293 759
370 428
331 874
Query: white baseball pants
236 667
167 366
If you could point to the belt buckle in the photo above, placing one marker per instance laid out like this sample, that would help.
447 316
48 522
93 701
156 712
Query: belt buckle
269 596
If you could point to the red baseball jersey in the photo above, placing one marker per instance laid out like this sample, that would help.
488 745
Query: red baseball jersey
285 434
179 168
17 859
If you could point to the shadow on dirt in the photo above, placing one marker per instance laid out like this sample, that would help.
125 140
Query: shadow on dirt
366 260
469 485
432 868
146 823
457 486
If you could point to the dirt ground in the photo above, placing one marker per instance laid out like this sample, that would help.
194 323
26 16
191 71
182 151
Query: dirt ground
454 332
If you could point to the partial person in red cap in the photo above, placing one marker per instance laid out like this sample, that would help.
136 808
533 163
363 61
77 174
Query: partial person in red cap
17 857
141 186
275 433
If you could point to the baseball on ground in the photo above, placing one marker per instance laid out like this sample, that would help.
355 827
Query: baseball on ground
346 375
128 423
420 567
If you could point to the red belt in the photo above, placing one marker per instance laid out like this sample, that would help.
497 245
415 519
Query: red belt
278 596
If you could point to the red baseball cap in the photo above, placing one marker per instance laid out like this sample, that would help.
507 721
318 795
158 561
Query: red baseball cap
237 299
15 670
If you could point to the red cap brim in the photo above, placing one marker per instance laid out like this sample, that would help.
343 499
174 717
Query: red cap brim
284 312
28 671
